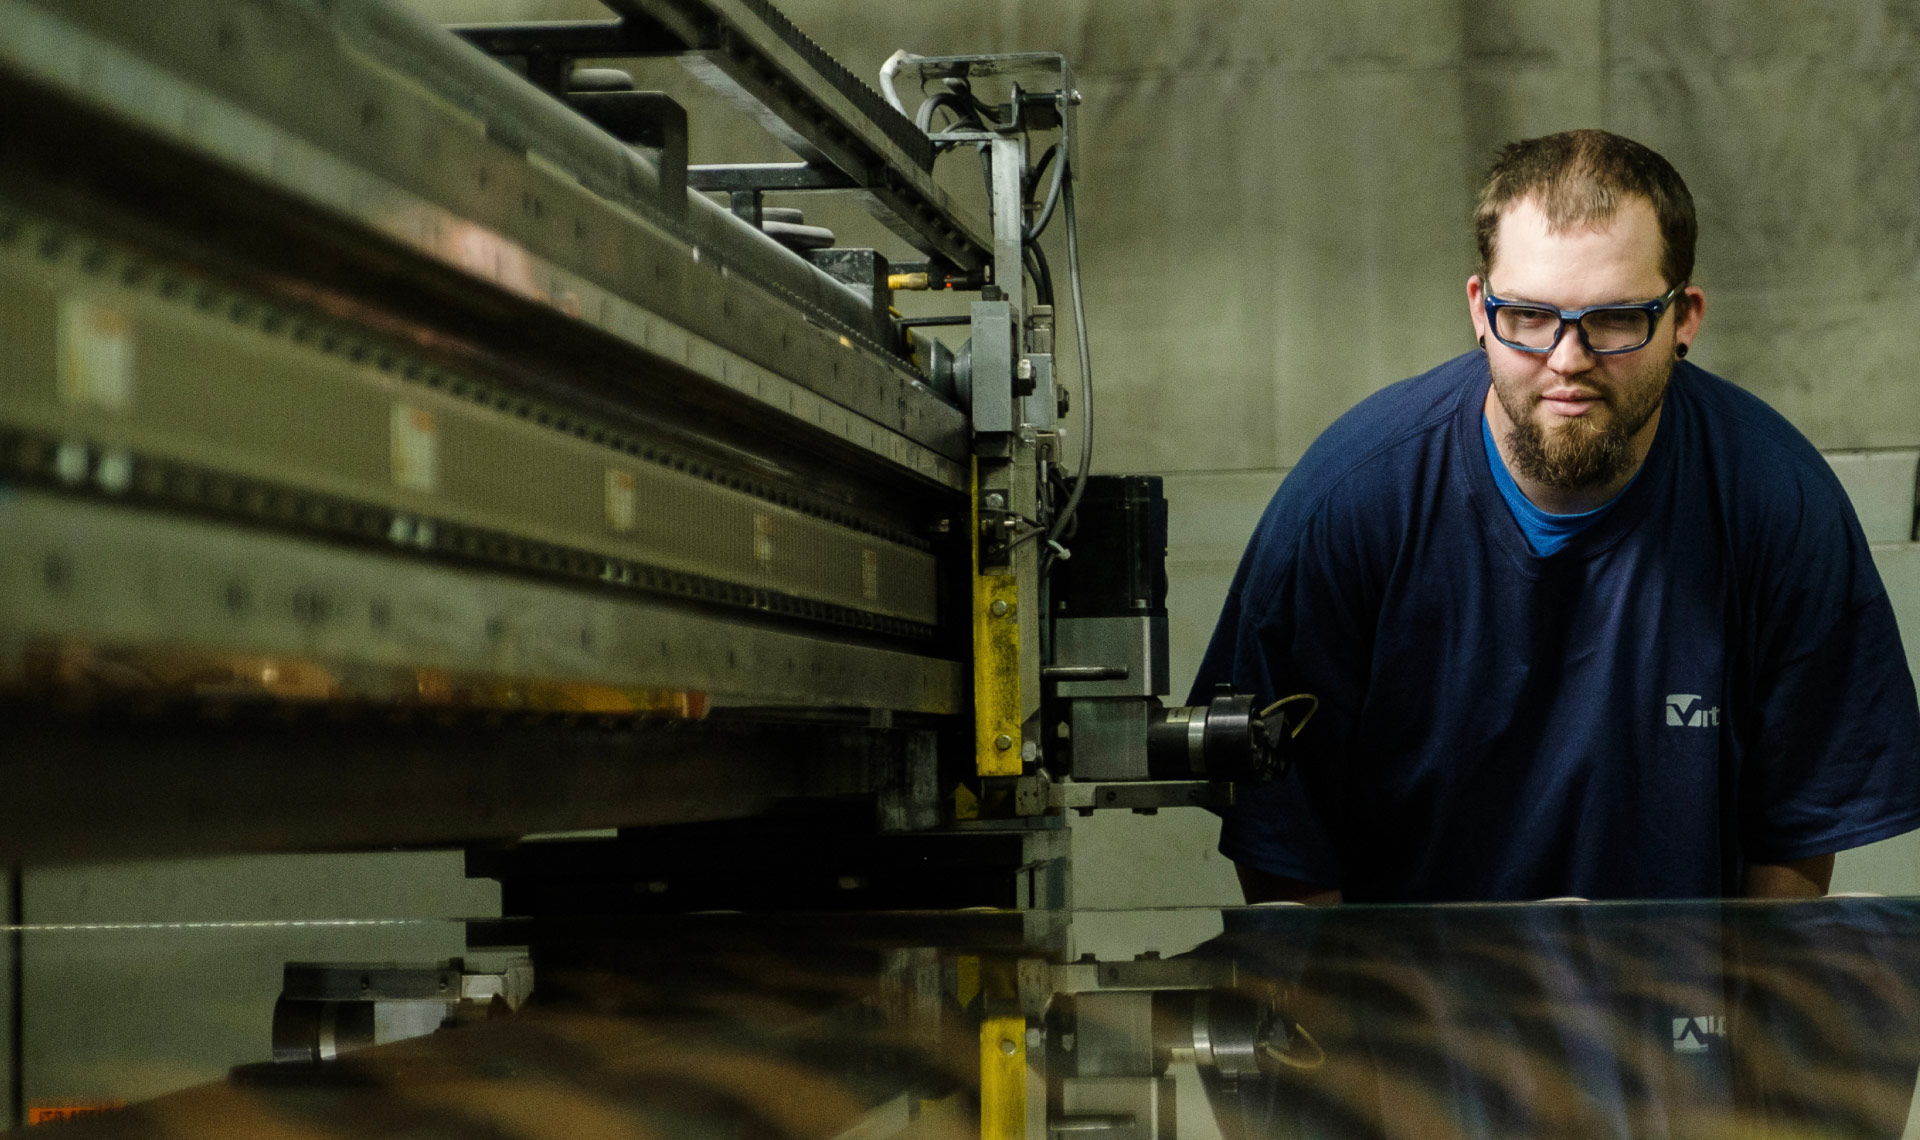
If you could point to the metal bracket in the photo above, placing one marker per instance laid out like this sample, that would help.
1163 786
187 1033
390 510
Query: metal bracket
732 178
644 118
1145 796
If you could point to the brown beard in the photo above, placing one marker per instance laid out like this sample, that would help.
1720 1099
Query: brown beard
1578 454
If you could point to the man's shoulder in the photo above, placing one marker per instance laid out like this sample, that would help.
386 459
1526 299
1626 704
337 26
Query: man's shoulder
1762 459
1363 474
1382 437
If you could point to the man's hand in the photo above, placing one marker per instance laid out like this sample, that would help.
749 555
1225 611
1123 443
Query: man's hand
1259 886
1800 879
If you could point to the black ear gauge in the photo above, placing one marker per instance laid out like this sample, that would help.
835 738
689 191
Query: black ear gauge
1680 352
1483 343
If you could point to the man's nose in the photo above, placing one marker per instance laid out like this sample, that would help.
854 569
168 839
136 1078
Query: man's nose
1570 355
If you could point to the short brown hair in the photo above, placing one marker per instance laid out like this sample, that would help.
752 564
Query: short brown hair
1582 177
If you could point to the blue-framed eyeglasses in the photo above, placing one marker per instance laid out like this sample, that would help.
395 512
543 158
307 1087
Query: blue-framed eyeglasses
1605 330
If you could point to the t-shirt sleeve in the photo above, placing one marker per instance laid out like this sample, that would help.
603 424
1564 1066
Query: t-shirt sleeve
1834 745
1297 621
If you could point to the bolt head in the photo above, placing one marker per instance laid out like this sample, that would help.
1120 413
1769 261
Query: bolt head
1003 742
998 609
996 500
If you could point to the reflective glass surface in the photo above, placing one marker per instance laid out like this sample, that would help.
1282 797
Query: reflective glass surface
1672 1019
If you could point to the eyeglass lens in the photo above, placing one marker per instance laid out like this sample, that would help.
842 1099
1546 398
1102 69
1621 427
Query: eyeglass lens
1608 330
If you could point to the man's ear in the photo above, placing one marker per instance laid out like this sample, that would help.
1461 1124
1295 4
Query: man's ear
1688 325
1476 311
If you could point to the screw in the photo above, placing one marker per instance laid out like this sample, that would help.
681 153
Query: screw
1003 742
996 501
998 609
1008 1047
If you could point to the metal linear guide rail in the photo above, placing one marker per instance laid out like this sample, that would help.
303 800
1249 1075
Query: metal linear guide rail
131 377
849 137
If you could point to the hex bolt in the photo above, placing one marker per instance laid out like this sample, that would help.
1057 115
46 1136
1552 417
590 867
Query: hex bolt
998 609
1003 742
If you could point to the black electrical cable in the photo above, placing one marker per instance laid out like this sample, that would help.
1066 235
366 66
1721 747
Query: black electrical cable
1086 368
1042 273
1039 170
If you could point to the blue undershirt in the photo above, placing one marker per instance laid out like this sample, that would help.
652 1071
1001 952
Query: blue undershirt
1546 532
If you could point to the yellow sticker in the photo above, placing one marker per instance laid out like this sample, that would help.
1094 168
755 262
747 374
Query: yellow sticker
95 358
416 449
966 979
620 499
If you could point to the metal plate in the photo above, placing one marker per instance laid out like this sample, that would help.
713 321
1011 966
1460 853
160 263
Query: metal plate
107 598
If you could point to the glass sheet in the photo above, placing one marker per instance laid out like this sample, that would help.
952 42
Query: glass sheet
1670 1019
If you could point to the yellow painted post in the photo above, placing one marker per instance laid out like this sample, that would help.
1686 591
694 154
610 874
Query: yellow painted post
996 661
1003 1078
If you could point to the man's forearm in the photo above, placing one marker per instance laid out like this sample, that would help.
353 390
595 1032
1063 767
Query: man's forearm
1799 879
1259 886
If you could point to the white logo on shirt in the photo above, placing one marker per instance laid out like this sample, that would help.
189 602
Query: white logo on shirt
1681 711
1690 1033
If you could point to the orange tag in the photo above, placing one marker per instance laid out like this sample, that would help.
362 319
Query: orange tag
39 1112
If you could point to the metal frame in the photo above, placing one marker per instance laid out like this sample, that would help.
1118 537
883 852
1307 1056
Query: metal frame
748 52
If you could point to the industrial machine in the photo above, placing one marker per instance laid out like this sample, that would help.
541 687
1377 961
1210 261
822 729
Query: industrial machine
405 444
402 442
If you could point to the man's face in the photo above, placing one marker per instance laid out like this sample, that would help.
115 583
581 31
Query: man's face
1577 420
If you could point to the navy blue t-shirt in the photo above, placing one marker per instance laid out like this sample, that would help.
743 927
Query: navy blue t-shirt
1708 677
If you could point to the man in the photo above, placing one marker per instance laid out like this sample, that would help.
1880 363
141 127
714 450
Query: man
1581 618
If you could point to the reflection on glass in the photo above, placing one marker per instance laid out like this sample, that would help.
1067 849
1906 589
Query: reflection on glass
1672 1019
